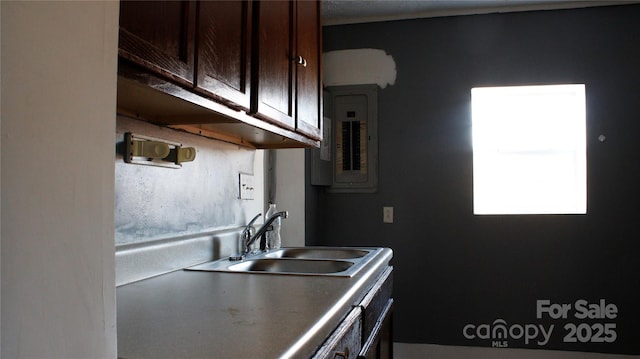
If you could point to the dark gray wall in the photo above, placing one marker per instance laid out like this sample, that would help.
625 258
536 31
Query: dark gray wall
453 268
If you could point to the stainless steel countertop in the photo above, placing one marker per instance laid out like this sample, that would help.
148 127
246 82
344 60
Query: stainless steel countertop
188 314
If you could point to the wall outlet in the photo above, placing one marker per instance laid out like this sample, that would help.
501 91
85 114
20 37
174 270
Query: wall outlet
387 214
246 186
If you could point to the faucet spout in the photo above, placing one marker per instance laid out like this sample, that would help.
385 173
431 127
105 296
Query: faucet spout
261 233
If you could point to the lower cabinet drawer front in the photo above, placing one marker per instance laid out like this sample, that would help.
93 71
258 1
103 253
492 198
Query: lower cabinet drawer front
375 302
379 344
346 340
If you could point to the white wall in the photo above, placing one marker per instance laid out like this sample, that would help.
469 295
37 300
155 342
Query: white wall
58 133
290 189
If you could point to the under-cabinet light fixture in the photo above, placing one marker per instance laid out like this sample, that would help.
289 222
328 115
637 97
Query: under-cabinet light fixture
145 150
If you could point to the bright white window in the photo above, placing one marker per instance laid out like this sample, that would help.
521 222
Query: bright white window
529 150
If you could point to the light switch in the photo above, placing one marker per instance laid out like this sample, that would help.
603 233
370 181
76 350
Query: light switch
387 214
246 186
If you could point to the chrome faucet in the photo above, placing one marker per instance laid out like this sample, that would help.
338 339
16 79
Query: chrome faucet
246 234
261 233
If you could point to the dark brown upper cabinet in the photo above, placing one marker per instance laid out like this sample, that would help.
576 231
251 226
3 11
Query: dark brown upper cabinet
246 72
274 68
308 74
224 51
287 70
159 36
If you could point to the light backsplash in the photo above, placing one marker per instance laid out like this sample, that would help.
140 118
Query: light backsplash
158 207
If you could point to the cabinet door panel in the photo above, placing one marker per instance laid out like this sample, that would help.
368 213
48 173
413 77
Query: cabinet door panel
345 341
379 344
167 49
224 51
274 97
308 84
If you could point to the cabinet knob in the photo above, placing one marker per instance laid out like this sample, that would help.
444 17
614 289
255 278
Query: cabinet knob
301 61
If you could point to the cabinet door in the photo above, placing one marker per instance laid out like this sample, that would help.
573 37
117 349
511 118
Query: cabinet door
273 70
345 341
379 344
308 69
166 49
224 51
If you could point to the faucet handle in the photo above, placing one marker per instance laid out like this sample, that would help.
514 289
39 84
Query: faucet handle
254 219
246 232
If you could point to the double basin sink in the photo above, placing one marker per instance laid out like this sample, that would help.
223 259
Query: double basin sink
322 261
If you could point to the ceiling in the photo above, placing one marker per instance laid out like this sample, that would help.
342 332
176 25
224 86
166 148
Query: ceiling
337 12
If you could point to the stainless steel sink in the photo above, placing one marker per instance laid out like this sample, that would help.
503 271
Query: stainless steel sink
318 253
318 261
317 266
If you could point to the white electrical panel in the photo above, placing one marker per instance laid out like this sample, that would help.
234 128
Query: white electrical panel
354 156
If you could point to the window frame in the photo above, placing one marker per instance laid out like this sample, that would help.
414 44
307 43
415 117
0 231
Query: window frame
555 133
